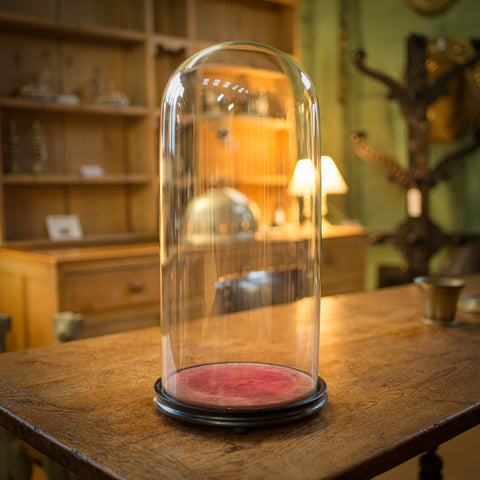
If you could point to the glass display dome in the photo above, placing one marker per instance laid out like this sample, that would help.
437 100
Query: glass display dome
240 240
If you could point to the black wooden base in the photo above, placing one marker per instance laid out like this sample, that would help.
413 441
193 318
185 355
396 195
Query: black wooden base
241 418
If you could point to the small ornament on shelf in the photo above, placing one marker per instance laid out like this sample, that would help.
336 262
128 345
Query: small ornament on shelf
13 148
67 99
105 92
39 149
40 87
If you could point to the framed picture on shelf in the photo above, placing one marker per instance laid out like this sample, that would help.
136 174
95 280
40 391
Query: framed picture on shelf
64 227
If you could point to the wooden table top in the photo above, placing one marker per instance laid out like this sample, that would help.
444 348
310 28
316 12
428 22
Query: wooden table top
396 388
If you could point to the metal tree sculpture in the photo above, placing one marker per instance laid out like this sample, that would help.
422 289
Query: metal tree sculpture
418 238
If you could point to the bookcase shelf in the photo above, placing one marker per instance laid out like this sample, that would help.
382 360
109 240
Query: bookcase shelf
130 47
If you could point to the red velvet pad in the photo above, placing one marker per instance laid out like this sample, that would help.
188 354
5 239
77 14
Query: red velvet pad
239 385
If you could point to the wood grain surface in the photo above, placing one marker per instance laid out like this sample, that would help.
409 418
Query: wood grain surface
396 388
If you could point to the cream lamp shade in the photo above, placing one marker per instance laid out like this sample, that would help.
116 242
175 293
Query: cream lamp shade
332 180
303 178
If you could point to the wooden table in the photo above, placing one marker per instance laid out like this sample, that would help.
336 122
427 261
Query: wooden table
396 389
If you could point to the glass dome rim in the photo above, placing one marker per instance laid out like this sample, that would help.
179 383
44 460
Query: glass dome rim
241 43
287 59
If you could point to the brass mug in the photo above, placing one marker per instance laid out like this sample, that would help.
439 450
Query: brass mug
440 295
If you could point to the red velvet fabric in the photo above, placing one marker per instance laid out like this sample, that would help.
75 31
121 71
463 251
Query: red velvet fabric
239 385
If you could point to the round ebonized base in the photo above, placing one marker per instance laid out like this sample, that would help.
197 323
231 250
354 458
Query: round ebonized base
241 419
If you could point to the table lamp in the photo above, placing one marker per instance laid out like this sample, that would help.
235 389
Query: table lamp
302 185
239 341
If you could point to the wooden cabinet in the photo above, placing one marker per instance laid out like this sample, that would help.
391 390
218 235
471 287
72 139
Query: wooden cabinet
56 122
182 27
80 95
343 259
68 68
78 62
114 288
72 144
342 267
343 256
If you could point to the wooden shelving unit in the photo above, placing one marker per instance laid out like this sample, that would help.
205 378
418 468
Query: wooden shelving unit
136 44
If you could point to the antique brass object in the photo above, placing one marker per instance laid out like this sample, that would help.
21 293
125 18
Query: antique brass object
440 294
429 7
459 110
429 105
220 215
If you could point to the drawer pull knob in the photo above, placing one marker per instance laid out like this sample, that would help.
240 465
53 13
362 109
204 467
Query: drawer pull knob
137 285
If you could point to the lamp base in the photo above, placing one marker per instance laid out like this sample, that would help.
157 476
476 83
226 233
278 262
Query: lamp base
201 411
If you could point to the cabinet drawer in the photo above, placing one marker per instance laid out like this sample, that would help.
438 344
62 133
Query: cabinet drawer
100 289
343 265
338 262
123 320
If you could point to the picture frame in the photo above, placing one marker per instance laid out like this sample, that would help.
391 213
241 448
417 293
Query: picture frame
63 227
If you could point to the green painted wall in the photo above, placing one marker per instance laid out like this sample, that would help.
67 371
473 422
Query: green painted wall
381 28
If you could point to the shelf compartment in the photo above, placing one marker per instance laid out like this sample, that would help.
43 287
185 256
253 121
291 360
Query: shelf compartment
120 14
170 17
14 23
254 147
120 145
260 21
113 210
70 68
108 20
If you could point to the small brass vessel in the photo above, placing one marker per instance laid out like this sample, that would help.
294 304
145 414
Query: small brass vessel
440 295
